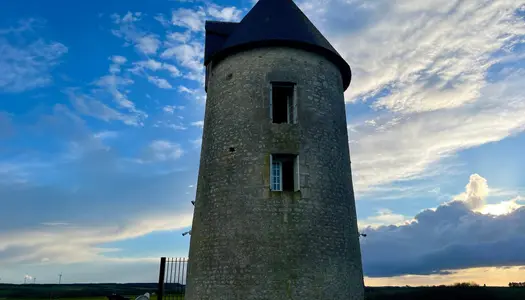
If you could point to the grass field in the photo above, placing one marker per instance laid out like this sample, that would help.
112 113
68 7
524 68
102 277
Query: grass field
132 290
132 297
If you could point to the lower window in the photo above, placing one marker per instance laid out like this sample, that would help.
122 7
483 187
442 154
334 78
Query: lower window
284 172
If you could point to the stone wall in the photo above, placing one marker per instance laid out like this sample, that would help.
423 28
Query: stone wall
249 242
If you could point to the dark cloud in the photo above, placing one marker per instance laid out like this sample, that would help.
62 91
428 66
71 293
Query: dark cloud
451 237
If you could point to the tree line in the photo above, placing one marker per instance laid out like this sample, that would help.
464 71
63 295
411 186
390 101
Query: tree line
516 284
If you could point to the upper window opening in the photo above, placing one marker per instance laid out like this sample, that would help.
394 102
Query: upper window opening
283 103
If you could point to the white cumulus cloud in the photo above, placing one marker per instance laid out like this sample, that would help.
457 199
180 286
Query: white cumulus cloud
159 82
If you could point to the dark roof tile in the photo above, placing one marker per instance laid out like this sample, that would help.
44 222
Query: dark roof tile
216 35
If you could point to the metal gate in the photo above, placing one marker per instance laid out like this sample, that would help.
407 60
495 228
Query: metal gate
172 278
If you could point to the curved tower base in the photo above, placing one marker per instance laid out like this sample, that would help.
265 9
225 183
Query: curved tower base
249 241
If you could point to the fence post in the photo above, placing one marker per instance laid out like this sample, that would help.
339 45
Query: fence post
162 272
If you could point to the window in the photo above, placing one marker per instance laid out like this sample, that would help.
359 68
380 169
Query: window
284 172
276 176
283 102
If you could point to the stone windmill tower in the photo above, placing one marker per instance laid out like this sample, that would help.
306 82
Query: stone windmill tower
274 213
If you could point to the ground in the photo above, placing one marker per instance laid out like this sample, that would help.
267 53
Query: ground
100 291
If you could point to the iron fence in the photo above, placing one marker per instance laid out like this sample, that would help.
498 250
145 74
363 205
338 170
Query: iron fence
172 278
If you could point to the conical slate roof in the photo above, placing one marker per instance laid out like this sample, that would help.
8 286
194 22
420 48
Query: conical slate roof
270 23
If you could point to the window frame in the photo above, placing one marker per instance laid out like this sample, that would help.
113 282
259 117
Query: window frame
291 103
276 186
296 173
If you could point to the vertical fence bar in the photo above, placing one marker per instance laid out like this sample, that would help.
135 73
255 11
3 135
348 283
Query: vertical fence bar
176 292
183 279
186 266
173 276
175 287
170 275
162 271
177 266
167 279
181 270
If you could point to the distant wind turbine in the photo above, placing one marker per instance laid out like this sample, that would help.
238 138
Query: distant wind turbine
26 277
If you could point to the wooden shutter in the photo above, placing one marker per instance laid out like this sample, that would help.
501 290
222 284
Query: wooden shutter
271 172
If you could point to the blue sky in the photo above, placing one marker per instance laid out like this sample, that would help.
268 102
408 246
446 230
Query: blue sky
101 109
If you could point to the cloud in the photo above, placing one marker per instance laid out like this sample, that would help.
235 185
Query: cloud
114 85
117 59
410 147
170 125
492 276
476 191
148 44
183 89
175 126
153 65
450 237
384 217
89 106
150 64
80 243
27 61
429 102
429 80
192 19
198 124
179 37
91 198
105 134
162 20
502 208
159 82
227 14
162 150
186 48
438 52
145 43
23 25
171 108
189 55
172 69
117 62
